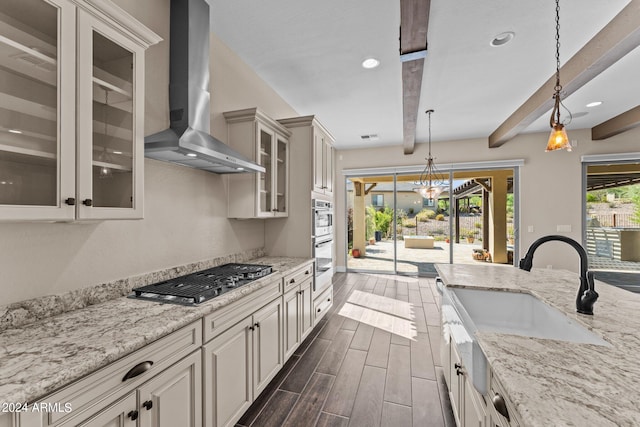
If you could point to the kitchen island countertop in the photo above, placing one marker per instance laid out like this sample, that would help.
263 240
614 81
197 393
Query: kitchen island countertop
556 382
41 357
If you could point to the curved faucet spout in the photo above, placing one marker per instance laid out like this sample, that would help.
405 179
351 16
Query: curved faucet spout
587 294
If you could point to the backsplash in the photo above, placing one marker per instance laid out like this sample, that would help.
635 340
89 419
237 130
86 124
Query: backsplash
29 311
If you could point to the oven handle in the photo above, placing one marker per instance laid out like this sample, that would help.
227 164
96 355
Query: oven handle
323 243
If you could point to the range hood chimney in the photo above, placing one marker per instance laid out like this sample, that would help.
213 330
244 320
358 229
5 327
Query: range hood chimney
187 141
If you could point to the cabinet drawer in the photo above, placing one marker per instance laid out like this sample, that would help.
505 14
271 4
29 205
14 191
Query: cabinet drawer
298 276
109 382
496 388
322 304
221 320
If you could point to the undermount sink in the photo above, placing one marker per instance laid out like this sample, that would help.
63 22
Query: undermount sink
468 311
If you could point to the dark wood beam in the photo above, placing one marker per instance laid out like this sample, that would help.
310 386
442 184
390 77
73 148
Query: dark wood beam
618 124
614 41
414 22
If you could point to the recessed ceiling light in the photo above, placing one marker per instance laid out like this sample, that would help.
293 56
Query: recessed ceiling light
191 155
117 152
594 104
502 39
15 131
579 114
370 63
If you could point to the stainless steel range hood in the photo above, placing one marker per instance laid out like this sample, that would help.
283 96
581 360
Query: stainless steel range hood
187 141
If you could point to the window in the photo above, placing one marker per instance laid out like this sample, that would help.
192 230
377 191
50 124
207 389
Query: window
377 200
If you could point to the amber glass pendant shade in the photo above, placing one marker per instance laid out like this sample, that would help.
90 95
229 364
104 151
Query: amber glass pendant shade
558 140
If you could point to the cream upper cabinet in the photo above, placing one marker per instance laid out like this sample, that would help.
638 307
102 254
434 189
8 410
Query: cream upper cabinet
313 153
71 110
265 141
322 162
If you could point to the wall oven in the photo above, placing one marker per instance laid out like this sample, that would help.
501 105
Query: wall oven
322 241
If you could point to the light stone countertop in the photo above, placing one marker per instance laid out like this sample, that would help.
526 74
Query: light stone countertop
41 357
557 383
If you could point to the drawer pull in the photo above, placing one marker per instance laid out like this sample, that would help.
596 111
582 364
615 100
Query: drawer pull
133 415
87 202
307 272
257 324
457 365
251 328
501 406
292 281
70 201
139 369
319 310
147 405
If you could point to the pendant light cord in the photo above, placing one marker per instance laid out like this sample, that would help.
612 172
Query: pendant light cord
556 107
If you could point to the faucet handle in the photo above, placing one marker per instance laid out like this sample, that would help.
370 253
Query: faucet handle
588 297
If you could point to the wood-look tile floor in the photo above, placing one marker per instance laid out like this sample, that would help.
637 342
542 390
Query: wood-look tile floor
350 373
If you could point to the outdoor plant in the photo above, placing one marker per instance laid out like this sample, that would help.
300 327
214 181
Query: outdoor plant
478 225
383 219
425 215
439 217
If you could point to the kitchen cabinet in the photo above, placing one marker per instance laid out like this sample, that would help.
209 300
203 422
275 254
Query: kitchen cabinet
161 381
467 404
313 147
72 115
322 304
240 362
298 308
265 141
322 162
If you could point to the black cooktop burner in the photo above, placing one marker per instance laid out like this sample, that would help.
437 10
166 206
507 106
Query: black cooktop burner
201 286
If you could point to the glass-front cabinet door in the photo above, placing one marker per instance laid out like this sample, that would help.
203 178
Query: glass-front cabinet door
37 136
265 180
110 142
273 154
281 176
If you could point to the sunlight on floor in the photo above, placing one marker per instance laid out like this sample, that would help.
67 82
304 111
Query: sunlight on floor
381 312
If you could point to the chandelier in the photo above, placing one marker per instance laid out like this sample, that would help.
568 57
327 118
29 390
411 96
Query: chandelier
431 180
558 139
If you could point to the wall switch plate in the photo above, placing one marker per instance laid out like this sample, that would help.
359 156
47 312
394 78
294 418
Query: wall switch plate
530 229
563 228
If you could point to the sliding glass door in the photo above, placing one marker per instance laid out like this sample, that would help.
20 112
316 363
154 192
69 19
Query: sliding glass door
392 228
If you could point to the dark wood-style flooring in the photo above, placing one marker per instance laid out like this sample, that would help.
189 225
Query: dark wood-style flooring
350 373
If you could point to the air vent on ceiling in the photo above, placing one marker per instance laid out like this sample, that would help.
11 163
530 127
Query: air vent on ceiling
370 137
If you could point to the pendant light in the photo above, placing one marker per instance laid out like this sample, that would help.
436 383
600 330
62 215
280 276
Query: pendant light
431 181
558 139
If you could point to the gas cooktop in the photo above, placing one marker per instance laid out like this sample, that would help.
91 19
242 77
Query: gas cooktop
201 286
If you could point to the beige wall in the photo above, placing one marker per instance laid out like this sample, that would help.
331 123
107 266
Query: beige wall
550 183
185 210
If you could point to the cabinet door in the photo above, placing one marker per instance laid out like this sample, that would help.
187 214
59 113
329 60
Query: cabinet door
228 382
306 309
281 176
267 344
456 387
328 168
265 156
291 322
174 397
37 110
123 413
318 162
474 413
110 117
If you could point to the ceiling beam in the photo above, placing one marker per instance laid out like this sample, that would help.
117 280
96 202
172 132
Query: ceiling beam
614 41
618 124
414 21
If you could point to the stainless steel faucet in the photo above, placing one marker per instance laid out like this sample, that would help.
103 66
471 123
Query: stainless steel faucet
587 295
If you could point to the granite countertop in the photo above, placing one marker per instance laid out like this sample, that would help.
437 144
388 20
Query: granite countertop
41 357
556 382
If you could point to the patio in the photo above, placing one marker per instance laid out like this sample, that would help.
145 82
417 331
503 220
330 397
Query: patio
420 261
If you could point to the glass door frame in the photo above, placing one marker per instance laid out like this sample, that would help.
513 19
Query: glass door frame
450 169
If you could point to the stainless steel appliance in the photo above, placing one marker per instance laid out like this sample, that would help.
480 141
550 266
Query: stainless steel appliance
322 240
195 288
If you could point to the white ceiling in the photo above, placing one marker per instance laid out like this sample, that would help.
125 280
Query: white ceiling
311 54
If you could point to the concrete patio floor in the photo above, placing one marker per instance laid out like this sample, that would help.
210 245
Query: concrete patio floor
379 257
